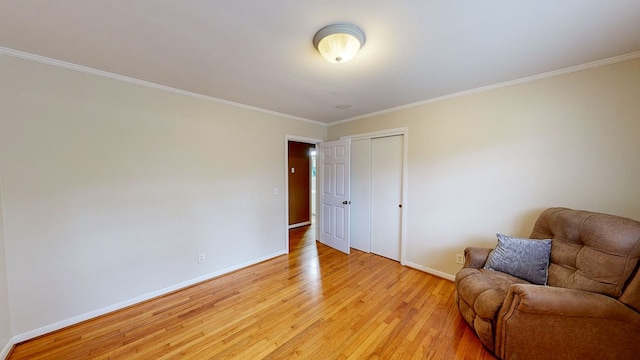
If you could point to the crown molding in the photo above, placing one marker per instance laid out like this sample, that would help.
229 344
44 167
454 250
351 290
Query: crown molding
547 75
88 70
109 75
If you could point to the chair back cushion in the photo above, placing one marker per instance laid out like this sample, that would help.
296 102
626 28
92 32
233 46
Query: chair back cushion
590 251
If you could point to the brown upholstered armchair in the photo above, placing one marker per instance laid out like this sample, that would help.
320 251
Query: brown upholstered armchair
590 308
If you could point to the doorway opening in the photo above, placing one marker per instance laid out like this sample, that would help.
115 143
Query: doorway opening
301 189
301 174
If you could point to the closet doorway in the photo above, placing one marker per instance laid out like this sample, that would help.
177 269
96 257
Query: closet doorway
377 183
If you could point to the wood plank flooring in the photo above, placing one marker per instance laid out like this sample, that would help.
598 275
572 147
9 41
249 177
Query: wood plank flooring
314 303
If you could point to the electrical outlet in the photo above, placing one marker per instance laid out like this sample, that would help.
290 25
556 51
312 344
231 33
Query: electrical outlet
459 259
201 258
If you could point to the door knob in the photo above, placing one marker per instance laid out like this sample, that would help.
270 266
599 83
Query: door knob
346 202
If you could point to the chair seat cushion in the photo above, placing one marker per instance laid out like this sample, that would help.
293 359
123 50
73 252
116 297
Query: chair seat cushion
480 294
484 290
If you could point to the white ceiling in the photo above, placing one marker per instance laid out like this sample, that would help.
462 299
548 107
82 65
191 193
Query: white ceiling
260 52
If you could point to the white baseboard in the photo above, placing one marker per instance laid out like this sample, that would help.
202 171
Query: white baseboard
7 348
92 314
430 271
293 226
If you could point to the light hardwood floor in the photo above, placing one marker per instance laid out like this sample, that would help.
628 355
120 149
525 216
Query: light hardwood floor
314 303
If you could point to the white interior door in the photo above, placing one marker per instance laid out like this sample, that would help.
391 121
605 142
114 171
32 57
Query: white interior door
386 195
360 210
376 191
334 184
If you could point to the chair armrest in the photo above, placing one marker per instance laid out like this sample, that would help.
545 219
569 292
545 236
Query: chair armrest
548 300
475 257
535 321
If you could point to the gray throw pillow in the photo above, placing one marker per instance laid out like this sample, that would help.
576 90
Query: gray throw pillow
527 259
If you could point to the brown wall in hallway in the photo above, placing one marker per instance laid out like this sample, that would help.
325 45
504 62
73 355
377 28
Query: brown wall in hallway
299 182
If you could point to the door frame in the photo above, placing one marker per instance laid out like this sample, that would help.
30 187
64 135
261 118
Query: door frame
404 131
301 139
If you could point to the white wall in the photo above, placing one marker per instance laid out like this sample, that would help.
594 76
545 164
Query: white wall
492 161
111 190
5 323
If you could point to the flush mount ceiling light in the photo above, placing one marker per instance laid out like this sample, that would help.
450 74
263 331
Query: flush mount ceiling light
339 43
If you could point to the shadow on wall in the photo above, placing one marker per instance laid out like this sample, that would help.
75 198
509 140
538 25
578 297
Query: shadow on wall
521 228
525 222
